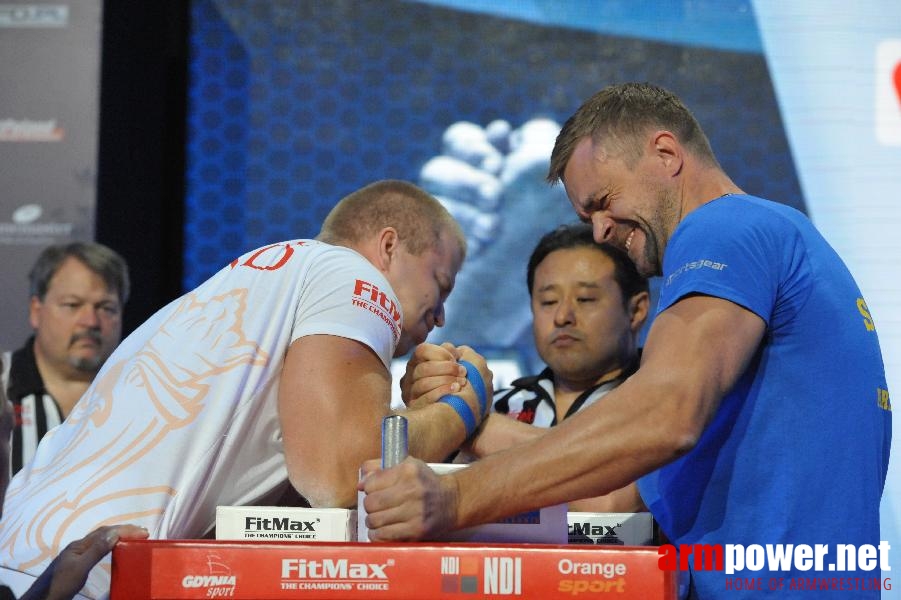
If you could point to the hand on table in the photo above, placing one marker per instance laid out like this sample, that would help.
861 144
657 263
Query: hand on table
407 502
68 572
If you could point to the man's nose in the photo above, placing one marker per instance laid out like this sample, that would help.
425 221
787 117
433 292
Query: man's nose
438 315
563 315
89 316
602 226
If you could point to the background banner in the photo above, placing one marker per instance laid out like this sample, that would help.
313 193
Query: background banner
49 97
294 105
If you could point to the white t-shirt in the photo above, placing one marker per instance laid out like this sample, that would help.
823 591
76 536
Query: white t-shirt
183 415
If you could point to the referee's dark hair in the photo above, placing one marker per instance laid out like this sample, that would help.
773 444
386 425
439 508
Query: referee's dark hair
578 235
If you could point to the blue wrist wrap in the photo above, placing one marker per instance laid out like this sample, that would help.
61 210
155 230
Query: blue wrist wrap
475 380
463 411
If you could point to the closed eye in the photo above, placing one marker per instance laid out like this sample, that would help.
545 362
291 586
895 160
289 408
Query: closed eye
596 203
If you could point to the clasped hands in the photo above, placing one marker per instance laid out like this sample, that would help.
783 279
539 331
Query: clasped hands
409 501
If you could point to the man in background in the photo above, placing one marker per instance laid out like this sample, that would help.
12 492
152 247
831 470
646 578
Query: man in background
588 307
78 291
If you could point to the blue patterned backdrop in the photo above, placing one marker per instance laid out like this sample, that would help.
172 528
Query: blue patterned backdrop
294 104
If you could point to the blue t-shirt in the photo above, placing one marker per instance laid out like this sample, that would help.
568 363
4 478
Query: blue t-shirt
797 452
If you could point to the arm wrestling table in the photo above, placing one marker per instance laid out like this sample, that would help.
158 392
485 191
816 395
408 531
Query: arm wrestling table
250 570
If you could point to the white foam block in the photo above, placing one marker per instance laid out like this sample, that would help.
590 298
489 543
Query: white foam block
543 526
285 523
622 529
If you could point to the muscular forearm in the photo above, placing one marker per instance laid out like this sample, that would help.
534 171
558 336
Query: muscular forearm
694 354
591 454
499 432
435 431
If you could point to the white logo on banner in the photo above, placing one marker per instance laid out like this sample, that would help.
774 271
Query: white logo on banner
24 227
27 130
888 93
27 213
34 15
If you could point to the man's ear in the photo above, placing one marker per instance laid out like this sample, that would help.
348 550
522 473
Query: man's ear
34 312
388 245
638 310
668 150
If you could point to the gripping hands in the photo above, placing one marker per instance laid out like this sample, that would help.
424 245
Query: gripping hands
463 410
453 375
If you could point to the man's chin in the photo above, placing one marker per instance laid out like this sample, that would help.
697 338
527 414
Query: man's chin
645 267
408 342
87 364
403 346
648 272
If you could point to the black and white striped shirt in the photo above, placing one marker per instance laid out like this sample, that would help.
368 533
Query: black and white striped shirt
530 399
35 412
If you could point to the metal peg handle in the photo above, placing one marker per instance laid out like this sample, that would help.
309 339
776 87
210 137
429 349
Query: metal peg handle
394 440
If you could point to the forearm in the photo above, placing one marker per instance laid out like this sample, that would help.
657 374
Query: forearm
434 431
499 432
593 453
694 354
624 500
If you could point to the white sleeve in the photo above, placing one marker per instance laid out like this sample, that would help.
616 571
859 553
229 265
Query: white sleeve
344 295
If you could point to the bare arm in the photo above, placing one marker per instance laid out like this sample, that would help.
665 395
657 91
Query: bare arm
333 395
695 352
624 500
500 432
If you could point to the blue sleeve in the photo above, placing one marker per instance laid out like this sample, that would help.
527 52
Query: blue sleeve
728 252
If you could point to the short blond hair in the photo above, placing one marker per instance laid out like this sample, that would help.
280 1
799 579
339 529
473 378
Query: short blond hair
419 219
619 115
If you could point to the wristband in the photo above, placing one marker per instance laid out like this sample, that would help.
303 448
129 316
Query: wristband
475 379
463 411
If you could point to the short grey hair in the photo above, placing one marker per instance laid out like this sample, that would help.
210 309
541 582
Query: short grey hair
104 261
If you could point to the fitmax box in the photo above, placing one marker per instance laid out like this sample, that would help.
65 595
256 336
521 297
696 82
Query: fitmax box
621 529
544 526
279 523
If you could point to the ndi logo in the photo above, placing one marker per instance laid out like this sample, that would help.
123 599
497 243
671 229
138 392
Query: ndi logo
460 574
888 92
501 575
